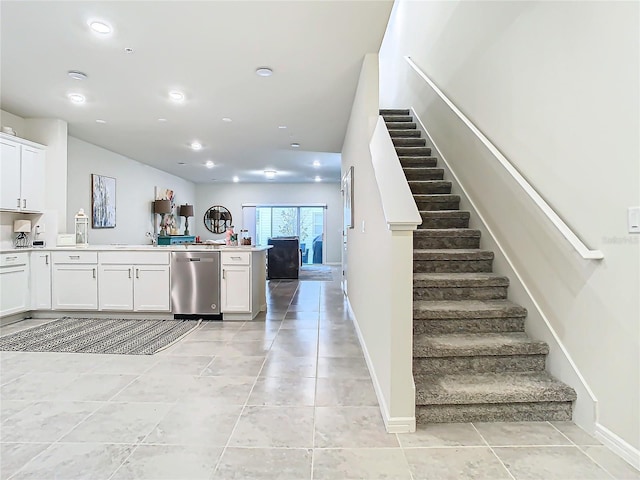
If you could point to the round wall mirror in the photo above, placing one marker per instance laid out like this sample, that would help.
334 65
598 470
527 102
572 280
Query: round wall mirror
217 219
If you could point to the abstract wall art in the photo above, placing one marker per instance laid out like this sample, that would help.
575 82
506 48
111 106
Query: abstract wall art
103 201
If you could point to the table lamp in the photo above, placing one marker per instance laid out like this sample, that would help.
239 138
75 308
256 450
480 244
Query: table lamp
23 229
162 207
186 211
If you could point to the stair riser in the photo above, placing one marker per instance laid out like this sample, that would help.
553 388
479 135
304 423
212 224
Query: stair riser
471 325
419 161
457 293
401 126
430 188
479 364
450 222
451 266
394 111
502 412
445 242
414 151
404 133
397 118
436 174
409 142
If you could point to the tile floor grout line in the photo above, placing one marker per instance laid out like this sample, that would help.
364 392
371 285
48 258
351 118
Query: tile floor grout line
315 396
493 451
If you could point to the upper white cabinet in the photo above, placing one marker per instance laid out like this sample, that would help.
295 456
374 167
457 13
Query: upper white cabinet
22 175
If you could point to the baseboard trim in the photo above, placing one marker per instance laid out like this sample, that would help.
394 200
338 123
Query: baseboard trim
391 424
620 447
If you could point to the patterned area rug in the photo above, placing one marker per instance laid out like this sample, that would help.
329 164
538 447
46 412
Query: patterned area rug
99 335
315 273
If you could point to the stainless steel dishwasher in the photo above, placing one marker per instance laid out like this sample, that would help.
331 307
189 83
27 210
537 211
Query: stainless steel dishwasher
195 283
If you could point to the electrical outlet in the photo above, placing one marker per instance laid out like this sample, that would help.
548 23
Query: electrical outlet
633 219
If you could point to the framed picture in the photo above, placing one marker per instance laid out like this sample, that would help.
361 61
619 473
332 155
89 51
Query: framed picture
347 197
103 201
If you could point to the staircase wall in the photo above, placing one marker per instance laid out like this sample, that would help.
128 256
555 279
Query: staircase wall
562 104
378 268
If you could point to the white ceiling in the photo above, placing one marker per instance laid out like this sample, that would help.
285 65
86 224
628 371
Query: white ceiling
209 50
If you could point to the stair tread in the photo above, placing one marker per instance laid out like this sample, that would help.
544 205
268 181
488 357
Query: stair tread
454 279
442 309
473 344
394 111
485 388
452 254
445 213
445 232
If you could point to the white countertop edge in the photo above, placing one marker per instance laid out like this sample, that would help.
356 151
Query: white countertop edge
142 248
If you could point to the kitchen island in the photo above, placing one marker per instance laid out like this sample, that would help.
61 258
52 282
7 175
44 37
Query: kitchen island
134 280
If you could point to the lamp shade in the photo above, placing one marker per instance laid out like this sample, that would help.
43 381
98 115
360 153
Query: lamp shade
22 226
186 210
162 206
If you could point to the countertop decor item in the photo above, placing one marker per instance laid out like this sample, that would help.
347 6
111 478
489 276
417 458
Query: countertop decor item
81 222
23 229
186 211
103 201
217 219
162 207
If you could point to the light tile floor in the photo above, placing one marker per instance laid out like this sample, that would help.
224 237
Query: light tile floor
285 397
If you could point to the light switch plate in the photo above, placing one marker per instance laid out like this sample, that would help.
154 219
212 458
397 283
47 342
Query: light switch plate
634 219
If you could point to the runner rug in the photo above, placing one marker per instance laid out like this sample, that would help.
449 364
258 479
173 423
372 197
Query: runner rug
99 335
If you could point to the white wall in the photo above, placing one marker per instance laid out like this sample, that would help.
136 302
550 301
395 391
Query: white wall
8 119
233 195
135 192
555 86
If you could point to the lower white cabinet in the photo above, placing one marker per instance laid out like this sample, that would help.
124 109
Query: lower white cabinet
235 289
14 283
75 287
40 265
139 287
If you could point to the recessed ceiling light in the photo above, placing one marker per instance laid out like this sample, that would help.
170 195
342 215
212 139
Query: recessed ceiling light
316 163
181 163
227 119
100 27
318 179
196 145
76 98
282 127
209 164
77 75
128 50
270 173
162 119
295 145
264 72
236 179
101 121
176 96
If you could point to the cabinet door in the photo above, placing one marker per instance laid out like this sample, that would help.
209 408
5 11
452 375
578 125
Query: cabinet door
9 175
14 288
151 290
75 287
40 280
235 289
115 289
32 179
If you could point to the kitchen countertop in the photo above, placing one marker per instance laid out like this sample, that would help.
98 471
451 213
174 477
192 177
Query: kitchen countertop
171 248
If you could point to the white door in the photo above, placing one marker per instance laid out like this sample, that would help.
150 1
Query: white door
75 287
14 288
9 175
40 280
32 179
235 289
152 288
115 290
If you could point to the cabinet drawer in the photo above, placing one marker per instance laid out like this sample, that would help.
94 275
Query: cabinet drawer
75 257
236 258
134 258
9 259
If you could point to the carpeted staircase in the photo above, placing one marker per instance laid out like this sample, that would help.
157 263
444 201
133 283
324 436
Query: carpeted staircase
472 360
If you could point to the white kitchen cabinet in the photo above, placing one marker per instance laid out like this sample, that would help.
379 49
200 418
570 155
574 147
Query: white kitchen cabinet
75 280
22 175
140 287
235 289
40 280
14 283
